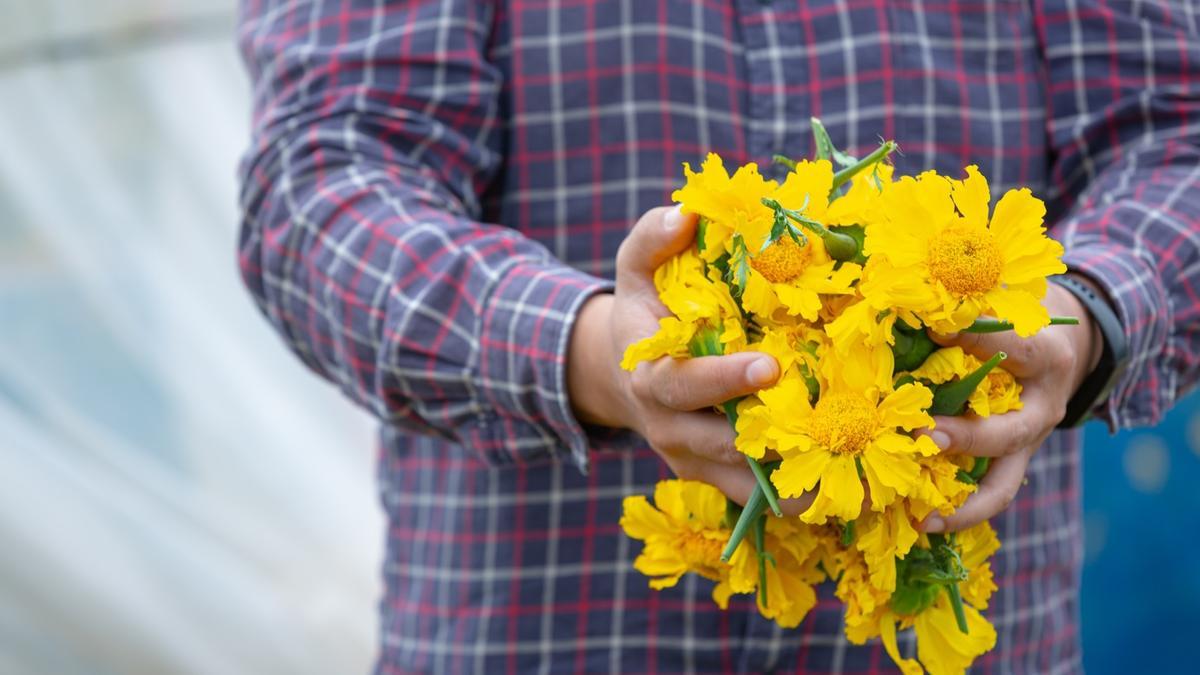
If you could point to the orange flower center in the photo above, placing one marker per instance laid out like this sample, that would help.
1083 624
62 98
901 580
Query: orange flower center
699 552
782 261
965 259
843 423
999 382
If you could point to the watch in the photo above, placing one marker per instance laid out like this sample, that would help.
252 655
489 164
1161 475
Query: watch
1115 355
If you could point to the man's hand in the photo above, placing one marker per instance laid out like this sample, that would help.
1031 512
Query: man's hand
1050 366
669 402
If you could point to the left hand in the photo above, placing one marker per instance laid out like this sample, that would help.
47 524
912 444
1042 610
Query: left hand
1050 367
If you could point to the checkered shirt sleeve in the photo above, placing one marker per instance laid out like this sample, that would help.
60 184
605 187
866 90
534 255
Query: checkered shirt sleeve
375 133
1124 102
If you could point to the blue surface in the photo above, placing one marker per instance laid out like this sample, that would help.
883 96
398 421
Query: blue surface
1141 578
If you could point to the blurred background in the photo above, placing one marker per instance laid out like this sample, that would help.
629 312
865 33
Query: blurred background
178 495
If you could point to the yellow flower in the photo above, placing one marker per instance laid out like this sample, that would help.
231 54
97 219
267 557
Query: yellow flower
998 393
796 349
976 546
937 487
883 537
862 335
862 204
791 572
846 428
938 234
866 605
942 648
728 204
684 532
783 278
697 301
786 279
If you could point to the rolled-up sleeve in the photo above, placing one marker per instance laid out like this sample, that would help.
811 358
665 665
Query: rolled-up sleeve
375 132
1123 87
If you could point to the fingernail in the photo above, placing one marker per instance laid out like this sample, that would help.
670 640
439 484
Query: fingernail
940 439
761 372
934 525
673 220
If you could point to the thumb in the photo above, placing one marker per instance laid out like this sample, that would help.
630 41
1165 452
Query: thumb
659 234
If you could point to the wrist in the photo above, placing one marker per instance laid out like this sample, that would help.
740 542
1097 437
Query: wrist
1111 343
593 379
1087 343
1096 343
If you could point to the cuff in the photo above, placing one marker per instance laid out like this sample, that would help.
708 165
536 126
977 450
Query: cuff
1144 391
525 330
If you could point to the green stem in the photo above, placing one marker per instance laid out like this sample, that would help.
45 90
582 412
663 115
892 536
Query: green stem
786 161
760 547
760 474
987 324
840 245
960 615
733 511
750 513
764 485
846 174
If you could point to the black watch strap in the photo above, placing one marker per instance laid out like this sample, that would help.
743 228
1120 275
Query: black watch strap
1097 385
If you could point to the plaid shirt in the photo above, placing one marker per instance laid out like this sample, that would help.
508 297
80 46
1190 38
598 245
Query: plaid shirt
435 187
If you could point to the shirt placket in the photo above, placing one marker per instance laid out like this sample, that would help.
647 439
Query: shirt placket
774 124
775 117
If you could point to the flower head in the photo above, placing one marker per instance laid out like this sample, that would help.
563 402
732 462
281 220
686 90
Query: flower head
846 429
938 235
684 531
727 204
998 393
697 301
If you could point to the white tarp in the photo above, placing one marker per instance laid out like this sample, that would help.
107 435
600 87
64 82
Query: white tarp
176 493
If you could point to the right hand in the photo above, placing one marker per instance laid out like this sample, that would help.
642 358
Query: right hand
670 402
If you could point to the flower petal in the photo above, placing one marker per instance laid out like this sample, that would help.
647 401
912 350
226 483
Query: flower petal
972 197
1027 315
840 494
799 472
906 406
642 521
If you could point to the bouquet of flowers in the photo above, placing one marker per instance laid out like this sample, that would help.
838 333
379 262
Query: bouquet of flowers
839 272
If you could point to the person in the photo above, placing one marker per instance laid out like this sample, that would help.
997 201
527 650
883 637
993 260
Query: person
453 209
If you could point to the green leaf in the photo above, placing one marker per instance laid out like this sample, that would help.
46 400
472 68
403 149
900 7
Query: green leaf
950 398
910 347
825 147
980 468
848 533
821 138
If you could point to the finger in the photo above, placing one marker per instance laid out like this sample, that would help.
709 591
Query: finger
738 483
735 483
1022 353
797 506
704 434
659 234
994 436
706 381
996 492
